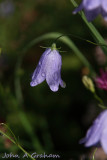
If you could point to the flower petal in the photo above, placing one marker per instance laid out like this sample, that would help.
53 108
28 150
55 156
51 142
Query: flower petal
95 131
91 4
104 139
92 14
79 8
104 134
39 73
104 14
104 5
54 88
53 67
49 68
62 83
92 136
37 77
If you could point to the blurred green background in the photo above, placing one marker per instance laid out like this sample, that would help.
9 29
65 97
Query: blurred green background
44 121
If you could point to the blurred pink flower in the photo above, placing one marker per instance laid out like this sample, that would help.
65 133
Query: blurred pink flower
101 81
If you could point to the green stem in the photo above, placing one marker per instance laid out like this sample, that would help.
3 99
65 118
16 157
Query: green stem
71 45
66 40
101 103
26 124
96 35
93 158
18 145
98 99
3 124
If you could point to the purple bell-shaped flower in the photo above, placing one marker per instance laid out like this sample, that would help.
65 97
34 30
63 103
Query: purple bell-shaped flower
97 133
92 8
49 68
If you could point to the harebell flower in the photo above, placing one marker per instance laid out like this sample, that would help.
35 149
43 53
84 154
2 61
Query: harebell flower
97 133
49 68
92 8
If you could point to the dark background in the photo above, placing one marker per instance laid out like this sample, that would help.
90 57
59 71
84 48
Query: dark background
41 119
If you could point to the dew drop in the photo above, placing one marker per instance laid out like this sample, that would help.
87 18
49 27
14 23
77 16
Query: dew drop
43 74
40 63
48 52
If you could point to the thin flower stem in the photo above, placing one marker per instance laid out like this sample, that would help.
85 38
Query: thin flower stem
83 39
101 105
17 144
93 158
3 124
66 40
98 98
23 117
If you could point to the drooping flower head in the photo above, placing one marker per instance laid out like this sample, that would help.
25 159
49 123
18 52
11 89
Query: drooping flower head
92 8
101 81
49 68
97 133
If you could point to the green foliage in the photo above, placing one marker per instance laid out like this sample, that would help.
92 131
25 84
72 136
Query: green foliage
40 119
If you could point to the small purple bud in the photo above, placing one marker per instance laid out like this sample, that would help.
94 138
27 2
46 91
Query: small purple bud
49 68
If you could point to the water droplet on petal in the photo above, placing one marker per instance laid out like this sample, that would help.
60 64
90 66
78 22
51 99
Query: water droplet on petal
40 63
48 52
43 74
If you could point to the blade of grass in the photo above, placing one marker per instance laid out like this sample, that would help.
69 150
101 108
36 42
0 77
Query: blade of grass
15 141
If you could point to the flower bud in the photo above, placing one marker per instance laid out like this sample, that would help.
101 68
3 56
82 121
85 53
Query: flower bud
88 83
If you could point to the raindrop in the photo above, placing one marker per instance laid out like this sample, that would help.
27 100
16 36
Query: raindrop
43 74
40 63
48 52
